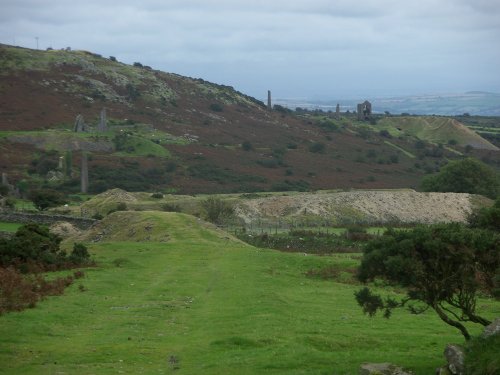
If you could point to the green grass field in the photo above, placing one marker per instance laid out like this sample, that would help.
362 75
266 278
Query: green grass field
203 303
9 227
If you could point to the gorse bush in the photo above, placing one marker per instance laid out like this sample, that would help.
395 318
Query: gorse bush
216 210
33 247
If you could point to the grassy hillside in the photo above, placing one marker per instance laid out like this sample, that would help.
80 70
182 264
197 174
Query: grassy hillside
204 303
168 132
436 129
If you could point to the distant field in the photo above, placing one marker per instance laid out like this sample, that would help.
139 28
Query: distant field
203 303
9 227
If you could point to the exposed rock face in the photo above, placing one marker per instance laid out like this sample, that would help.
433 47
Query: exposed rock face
492 329
455 357
381 369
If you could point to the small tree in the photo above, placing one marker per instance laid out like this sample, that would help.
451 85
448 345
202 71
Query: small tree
442 267
465 176
45 198
216 210
79 254
246 146
317 147
488 218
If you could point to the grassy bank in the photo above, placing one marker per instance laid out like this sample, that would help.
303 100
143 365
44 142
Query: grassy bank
205 303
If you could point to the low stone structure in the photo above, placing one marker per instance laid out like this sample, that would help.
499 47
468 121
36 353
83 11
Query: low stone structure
24 217
79 124
381 369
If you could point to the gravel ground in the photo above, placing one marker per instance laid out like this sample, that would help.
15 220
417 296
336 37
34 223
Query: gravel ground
365 206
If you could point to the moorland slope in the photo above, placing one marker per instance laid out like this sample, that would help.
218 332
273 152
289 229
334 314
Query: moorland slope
166 131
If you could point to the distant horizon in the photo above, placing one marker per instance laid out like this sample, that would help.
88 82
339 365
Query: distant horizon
315 97
389 96
329 100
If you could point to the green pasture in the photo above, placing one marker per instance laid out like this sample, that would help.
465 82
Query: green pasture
9 227
204 303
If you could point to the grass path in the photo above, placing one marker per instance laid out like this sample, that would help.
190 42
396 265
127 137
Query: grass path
202 304
407 153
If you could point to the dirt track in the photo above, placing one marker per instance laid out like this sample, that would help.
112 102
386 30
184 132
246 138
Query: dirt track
363 206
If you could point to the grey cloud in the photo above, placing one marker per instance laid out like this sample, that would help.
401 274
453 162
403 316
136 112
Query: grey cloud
311 46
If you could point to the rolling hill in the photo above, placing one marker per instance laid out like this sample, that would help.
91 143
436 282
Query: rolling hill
438 130
173 133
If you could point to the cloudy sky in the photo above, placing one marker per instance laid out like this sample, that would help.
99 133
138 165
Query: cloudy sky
314 49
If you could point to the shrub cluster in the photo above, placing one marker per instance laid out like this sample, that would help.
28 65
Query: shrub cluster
307 241
19 291
34 248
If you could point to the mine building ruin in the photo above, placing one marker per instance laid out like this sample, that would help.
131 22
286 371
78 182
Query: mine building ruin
364 110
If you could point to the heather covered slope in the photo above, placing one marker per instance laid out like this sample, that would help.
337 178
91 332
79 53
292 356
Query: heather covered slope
175 133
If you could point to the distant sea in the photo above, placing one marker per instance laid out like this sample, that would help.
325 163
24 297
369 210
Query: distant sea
477 103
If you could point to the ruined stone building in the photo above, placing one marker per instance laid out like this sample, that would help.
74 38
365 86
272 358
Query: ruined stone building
364 110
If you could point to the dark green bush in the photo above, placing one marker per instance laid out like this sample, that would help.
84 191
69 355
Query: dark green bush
317 147
481 356
216 107
80 254
246 146
216 210
45 198
465 176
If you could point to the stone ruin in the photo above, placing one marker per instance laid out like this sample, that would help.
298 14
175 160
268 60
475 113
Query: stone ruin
269 104
337 112
103 124
79 124
364 110
84 173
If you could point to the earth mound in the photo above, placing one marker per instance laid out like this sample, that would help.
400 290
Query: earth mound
107 201
362 207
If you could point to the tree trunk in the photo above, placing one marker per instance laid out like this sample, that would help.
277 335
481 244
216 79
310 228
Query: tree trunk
445 318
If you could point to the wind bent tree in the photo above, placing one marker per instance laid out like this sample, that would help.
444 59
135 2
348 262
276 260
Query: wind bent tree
442 267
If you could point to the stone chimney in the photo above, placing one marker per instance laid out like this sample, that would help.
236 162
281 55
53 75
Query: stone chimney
84 173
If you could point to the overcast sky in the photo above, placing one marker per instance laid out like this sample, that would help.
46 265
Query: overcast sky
314 49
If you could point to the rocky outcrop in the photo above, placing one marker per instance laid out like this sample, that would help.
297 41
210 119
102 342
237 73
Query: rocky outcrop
455 357
492 329
381 369
455 354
